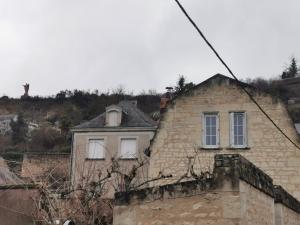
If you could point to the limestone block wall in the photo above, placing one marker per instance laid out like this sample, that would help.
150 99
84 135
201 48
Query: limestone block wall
38 166
238 194
179 136
17 205
287 208
286 216
215 208
255 206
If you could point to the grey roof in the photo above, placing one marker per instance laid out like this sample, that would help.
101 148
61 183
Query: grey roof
297 126
131 117
7 117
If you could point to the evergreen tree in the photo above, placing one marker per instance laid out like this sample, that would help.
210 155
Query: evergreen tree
291 71
182 86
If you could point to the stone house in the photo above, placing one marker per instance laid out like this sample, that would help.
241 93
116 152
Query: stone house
122 132
5 120
217 117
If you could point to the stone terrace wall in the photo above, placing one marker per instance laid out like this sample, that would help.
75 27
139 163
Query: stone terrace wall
238 193
17 206
287 208
38 166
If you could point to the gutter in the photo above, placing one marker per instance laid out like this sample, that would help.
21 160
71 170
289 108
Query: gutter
111 129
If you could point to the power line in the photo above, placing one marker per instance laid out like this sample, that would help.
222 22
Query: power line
232 74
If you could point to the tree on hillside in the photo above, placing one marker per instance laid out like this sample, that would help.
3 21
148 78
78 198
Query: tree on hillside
291 71
19 130
182 86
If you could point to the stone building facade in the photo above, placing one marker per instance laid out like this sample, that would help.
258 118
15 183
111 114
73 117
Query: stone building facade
237 193
52 169
123 133
217 117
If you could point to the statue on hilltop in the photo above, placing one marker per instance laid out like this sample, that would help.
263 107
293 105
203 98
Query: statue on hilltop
26 89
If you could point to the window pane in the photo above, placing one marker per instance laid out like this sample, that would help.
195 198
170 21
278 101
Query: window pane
240 140
208 131
207 121
240 119
238 129
213 120
213 140
235 130
235 140
207 140
213 130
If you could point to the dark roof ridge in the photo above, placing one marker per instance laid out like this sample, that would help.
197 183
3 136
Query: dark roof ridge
218 75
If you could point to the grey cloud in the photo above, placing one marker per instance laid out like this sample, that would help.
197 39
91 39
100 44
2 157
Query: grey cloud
142 44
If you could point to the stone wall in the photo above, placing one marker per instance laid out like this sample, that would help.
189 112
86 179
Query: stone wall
46 167
179 136
238 193
287 208
17 206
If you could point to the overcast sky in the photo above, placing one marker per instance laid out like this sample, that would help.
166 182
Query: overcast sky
141 44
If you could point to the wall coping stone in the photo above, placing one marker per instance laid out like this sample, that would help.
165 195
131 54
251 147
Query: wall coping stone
175 190
18 186
283 197
237 167
232 167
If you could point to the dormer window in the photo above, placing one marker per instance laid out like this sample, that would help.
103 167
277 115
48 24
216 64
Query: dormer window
113 116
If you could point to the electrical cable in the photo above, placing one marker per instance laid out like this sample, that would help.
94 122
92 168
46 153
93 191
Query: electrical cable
232 74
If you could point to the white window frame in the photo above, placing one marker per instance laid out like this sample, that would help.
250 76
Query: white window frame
245 135
88 148
121 156
204 144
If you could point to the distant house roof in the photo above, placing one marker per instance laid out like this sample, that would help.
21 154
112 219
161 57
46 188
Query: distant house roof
297 126
7 117
131 117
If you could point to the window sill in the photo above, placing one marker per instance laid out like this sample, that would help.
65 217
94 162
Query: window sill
96 159
127 159
210 149
238 148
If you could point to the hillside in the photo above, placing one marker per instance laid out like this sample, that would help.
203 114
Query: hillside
56 115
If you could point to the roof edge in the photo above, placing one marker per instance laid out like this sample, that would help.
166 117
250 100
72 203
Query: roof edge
116 129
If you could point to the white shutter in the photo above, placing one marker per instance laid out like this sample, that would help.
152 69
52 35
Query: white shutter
128 147
96 149
113 118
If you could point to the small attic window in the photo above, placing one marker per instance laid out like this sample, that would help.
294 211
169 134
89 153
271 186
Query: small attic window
113 116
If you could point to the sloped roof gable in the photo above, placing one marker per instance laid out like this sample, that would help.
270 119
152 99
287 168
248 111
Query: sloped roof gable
132 117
